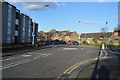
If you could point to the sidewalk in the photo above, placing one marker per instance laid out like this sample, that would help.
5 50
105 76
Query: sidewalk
108 69
20 51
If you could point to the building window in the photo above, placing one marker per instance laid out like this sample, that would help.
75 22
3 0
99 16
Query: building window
29 31
9 24
17 21
16 33
23 29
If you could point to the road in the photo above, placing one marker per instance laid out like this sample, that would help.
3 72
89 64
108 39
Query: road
46 63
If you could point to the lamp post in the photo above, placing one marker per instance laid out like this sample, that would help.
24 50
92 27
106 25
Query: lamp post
85 34
106 33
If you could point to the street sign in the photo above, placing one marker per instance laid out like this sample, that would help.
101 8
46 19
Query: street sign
33 34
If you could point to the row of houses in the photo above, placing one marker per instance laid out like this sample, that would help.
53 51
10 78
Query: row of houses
58 35
17 28
108 37
92 38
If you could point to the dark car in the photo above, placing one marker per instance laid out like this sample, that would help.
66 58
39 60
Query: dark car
76 43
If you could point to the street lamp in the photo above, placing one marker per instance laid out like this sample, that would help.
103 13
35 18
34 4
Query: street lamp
85 34
106 33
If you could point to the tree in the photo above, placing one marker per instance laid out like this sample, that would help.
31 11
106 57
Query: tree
104 32
117 28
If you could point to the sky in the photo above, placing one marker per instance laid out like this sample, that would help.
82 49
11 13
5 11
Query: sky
83 17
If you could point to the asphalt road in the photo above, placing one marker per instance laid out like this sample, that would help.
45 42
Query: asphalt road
46 63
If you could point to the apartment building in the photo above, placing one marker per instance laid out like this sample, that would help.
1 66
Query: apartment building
16 27
119 17
25 29
8 22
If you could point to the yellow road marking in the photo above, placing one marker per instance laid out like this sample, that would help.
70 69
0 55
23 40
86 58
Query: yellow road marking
69 70
81 63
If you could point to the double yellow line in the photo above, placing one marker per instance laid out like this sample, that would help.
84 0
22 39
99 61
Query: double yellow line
72 68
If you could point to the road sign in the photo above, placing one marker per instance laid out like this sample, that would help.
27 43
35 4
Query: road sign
33 34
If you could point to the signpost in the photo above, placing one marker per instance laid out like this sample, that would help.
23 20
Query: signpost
33 41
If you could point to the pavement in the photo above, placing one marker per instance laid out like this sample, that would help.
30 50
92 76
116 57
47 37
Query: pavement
108 69
103 69
24 50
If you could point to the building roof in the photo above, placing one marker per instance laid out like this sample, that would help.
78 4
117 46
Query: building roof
117 30
68 34
95 35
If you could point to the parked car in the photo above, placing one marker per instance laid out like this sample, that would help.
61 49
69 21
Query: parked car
75 42
69 42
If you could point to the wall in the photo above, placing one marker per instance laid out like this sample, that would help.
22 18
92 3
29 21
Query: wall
74 36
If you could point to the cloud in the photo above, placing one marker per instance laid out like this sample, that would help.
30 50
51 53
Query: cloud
113 17
89 22
36 6
30 0
101 1
39 6
63 0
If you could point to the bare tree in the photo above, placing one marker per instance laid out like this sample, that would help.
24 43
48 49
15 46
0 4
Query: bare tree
117 28
104 32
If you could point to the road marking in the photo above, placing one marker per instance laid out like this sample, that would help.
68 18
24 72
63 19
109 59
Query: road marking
105 53
45 55
72 68
8 59
34 58
26 55
70 48
23 61
101 53
15 64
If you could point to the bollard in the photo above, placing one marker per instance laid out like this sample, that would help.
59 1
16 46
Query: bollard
103 46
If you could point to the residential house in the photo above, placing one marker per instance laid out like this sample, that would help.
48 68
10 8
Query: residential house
116 37
96 37
59 35
42 36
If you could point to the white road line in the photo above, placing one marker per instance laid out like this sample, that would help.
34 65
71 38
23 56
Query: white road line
70 48
105 53
34 58
16 64
8 59
101 53
26 55
22 61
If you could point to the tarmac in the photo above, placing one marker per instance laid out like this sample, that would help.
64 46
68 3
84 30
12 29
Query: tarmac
106 69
